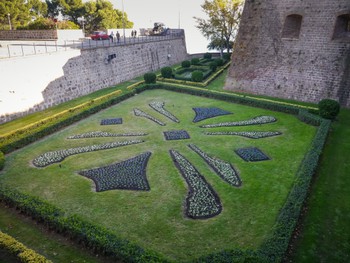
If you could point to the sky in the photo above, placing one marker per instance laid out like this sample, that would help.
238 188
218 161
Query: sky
173 13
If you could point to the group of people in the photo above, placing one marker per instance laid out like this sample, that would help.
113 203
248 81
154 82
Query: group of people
117 35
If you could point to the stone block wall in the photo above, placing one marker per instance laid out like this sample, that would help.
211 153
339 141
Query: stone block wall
28 34
273 56
92 70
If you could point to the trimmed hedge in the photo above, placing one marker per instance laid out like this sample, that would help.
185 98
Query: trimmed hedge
20 251
2 160
150 78
329 108
197 76
186 64
97 238
31 133
167 72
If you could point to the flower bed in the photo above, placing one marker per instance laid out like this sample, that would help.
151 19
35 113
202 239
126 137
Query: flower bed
48 158
206 113
224 169
253 121
176 135
159 107
129 175
97 134
112 121
252 135
202 201
141 113
251 154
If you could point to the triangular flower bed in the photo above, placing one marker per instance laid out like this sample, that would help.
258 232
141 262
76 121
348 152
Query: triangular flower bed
206 113
129 175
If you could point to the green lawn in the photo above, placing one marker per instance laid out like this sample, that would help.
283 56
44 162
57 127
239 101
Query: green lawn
158 220
325 233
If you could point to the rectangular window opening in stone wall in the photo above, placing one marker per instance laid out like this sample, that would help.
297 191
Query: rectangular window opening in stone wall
342 27
292 26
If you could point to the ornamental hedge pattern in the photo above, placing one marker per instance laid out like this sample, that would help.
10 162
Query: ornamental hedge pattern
206 113
224 169
201 201
102 240
129 175
48 158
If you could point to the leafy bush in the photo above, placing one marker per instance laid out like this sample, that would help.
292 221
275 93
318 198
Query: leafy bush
186 64
48 24
207 56
167 72
219 62
226 56
329 109
150 78
197 76
195 61
2 160
213 66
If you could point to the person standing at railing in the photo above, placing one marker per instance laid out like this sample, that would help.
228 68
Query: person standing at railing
118 37
111 37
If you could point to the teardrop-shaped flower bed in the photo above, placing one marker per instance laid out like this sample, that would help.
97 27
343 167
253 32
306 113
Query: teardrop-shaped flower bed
202 201
254 121
159 107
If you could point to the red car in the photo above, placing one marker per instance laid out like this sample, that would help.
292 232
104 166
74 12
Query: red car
99 35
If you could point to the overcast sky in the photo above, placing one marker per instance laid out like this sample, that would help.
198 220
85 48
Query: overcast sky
172 13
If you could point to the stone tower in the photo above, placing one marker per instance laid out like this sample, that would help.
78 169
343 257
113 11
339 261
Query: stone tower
294 49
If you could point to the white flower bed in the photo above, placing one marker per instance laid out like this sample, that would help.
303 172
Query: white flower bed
202 201
224 169
252 135
253 121
58 156
159 107
97 134
141 113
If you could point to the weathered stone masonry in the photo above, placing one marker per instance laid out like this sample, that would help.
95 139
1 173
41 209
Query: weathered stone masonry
104 67
92 71
293 49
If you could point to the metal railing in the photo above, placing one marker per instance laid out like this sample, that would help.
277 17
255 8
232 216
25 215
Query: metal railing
43 47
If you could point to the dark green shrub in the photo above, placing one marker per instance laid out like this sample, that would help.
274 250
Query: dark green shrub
150 78
213 66
195 61
2 160
329 109
167 72
226 56
186 64
197 76
207 56
219 62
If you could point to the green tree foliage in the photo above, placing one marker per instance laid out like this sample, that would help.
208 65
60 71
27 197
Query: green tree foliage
16 10
53 8
222 23
101 15
37 8
72 9
48 23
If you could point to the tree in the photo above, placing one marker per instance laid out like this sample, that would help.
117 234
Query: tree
222 23
101 15
72 9
53 8
16 11
37 8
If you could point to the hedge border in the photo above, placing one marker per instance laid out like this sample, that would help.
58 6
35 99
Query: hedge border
20 251
100 239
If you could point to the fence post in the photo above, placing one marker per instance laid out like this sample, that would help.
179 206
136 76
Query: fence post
8 48
22 50
34 48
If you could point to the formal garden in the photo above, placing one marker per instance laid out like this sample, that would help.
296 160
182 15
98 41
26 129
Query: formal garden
203 175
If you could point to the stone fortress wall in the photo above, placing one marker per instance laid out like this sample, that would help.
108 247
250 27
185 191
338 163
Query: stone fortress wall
293 49
103 67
